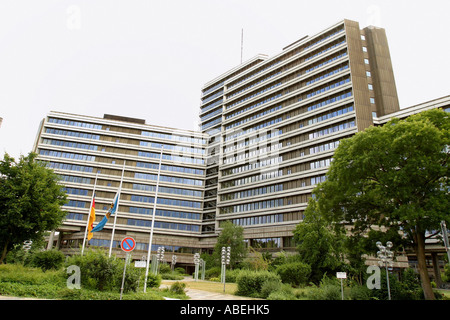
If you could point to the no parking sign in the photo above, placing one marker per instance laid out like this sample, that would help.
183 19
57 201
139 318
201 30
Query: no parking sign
128 244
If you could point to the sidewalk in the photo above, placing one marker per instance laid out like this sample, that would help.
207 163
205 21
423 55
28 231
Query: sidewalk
195 294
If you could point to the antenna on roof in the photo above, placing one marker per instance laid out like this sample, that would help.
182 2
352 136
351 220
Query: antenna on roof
242 42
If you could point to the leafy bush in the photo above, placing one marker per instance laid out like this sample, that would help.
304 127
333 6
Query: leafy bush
47 260
329 289
250 283
270 286
295 273
358 292
213 272
178 287
283 293
153 281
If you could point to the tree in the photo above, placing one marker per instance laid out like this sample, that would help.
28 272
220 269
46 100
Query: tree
393 177
231 236
318 244
30 201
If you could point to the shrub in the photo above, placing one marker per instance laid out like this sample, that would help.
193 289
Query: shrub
153 281
164 268
249 283
295 273
178 287
283 293
213 272
47 260
270 286
358 292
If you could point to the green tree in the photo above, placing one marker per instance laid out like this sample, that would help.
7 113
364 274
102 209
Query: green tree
393 177
30 201
231 236
318 244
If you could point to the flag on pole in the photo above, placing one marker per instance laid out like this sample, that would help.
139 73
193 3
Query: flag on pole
111 211
91 220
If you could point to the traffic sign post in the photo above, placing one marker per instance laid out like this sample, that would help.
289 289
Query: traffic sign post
128 244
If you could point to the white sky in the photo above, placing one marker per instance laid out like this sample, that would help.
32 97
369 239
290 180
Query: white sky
150 59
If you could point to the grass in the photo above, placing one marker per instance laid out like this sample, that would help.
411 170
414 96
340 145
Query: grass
19 281
211 286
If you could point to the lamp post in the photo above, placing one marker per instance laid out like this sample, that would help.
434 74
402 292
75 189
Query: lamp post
174 261
386 259
159 257
196 262
226 253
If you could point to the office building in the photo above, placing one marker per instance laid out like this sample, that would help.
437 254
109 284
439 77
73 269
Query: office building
267 133
89 152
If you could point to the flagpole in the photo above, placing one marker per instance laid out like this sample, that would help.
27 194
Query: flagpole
153 222
117 209
89 215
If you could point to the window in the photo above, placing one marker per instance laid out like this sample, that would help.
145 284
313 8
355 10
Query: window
368 74
363 37
372 100
364 49
370 86
366 61
374 114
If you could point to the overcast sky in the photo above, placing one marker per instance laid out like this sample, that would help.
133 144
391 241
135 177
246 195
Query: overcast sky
150 59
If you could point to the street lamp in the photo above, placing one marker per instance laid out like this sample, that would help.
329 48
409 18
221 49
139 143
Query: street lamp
226 253
159 257
386 259
174 261
196 262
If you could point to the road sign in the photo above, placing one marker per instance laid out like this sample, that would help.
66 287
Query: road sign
341 275
128 244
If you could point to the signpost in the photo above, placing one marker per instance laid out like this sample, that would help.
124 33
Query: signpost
341 275
128 244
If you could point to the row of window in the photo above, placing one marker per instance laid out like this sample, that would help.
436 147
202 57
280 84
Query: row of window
75 203
318 179
210 115
321 163
266 204
76 134
261 139
272 218
324 147
325 50
165 201
170 157
67 155
253 85
165 167
255 128
253 74
211 123
149 176
169 136
252 192
330 115
70 144
76 191
330 100
329 87
336 128
74 179
253 117
326 62
184 192
164 225
211 106
250 166
68 166
166 213
75 123
326 75
250 154
254 95
215 95
171 147
254 178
